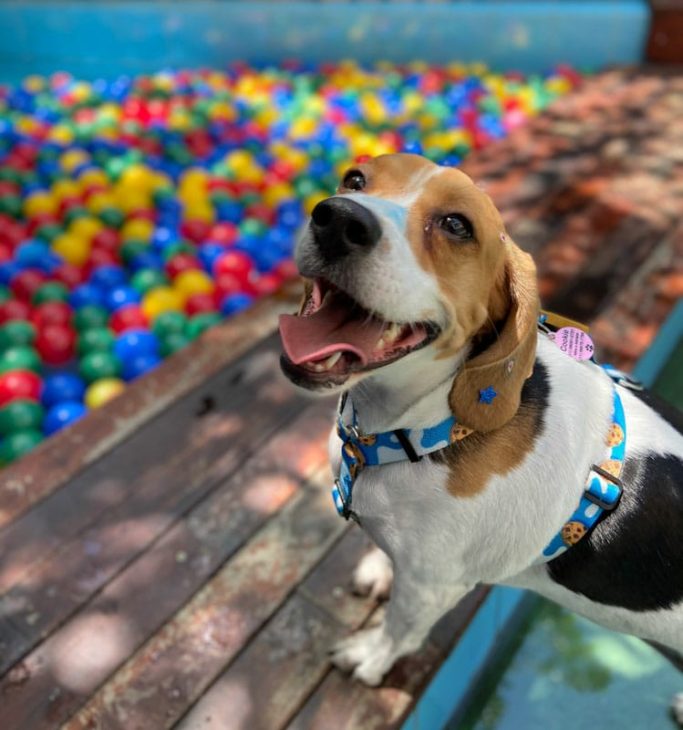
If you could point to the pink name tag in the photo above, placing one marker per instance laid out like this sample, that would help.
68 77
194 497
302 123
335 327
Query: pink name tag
574 342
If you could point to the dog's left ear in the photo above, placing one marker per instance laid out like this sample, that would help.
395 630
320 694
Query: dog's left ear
486 392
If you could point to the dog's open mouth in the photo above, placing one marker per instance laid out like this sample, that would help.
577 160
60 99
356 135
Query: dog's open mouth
334 336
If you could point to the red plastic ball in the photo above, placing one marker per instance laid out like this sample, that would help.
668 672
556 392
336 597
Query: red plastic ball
14 309
128 318
224 233
181 262
286 269
19 384
50 313
236 263
267 284
261 212
227 283
25 283
201 303
56 344
102 257
69 274
107 239
38 220
195 230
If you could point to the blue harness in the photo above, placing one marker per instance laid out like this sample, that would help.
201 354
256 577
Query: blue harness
603 486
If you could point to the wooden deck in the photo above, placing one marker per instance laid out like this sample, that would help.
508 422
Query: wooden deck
174 559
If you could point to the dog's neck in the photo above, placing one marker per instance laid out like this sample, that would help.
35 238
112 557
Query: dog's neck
411 393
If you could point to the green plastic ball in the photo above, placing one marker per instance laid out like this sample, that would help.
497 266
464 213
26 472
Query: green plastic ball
90 316
96 365
5 294
112 217
173 342
19 357
96 339
52 291
201 322
168 323
147 279
18 444
17 333
20 415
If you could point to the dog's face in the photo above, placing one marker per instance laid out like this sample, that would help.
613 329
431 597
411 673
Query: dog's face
407 255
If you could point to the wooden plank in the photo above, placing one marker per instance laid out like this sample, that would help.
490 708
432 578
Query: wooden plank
169 458
346 705
161 680
285 662
176 565
61 457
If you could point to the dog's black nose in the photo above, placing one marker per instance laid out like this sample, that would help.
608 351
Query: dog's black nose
340 225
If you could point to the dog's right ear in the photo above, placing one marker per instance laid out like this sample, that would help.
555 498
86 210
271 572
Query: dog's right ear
486 393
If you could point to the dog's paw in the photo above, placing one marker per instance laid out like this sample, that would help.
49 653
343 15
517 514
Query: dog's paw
677 708
373 575
366 654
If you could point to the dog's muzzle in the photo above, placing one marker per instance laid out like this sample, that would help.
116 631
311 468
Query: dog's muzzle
340 225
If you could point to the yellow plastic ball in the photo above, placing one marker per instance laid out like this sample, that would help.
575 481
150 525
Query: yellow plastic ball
102 391
312 200
162 299
86 227
199 211
192 282
72 248
139 229
99 201
71 159
40 202
94 176
66 189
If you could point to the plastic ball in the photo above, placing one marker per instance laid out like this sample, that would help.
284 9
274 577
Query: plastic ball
26 283
138 365
52 291
180 263
126 318
109 277
147 279
97 365
170 322
20 415
121 296
162 299
17 333
19 357
234 303
133 343
55 312
62 387
236 263
19 443
172 342
90 316
86 294
18 384
56 343
200 323
193 282
13 309
96 339
61 415
102 391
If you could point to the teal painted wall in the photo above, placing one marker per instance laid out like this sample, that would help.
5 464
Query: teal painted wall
93 39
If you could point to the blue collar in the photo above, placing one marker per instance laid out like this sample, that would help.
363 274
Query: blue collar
602 491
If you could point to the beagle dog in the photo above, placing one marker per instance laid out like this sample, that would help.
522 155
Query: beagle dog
469 445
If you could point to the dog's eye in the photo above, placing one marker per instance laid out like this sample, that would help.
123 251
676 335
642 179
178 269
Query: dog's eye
457 225
354 180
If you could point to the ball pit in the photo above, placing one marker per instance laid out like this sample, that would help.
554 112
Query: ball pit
138 212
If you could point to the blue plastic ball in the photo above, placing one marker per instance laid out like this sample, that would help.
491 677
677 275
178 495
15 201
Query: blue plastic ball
121 296
140 364
234 303
108 277
61 415
132 343
61 387
86 294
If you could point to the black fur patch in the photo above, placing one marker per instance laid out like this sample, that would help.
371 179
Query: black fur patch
633 558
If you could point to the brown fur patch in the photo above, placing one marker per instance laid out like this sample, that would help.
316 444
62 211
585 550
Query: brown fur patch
392 175
472 461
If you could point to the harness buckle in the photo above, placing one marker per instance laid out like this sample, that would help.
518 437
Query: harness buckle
607 506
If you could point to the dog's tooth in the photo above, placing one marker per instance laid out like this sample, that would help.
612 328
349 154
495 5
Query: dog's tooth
392 332
332 360
319 367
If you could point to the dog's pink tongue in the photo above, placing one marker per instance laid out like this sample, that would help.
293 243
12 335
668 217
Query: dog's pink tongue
331 329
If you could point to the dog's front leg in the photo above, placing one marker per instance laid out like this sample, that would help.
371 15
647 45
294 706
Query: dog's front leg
413 609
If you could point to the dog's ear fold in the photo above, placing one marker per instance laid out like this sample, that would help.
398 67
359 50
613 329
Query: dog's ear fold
486 392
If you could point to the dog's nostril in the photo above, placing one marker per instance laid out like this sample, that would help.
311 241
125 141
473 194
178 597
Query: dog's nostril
322 214
356 232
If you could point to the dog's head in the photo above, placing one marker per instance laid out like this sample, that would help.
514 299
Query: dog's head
407 256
